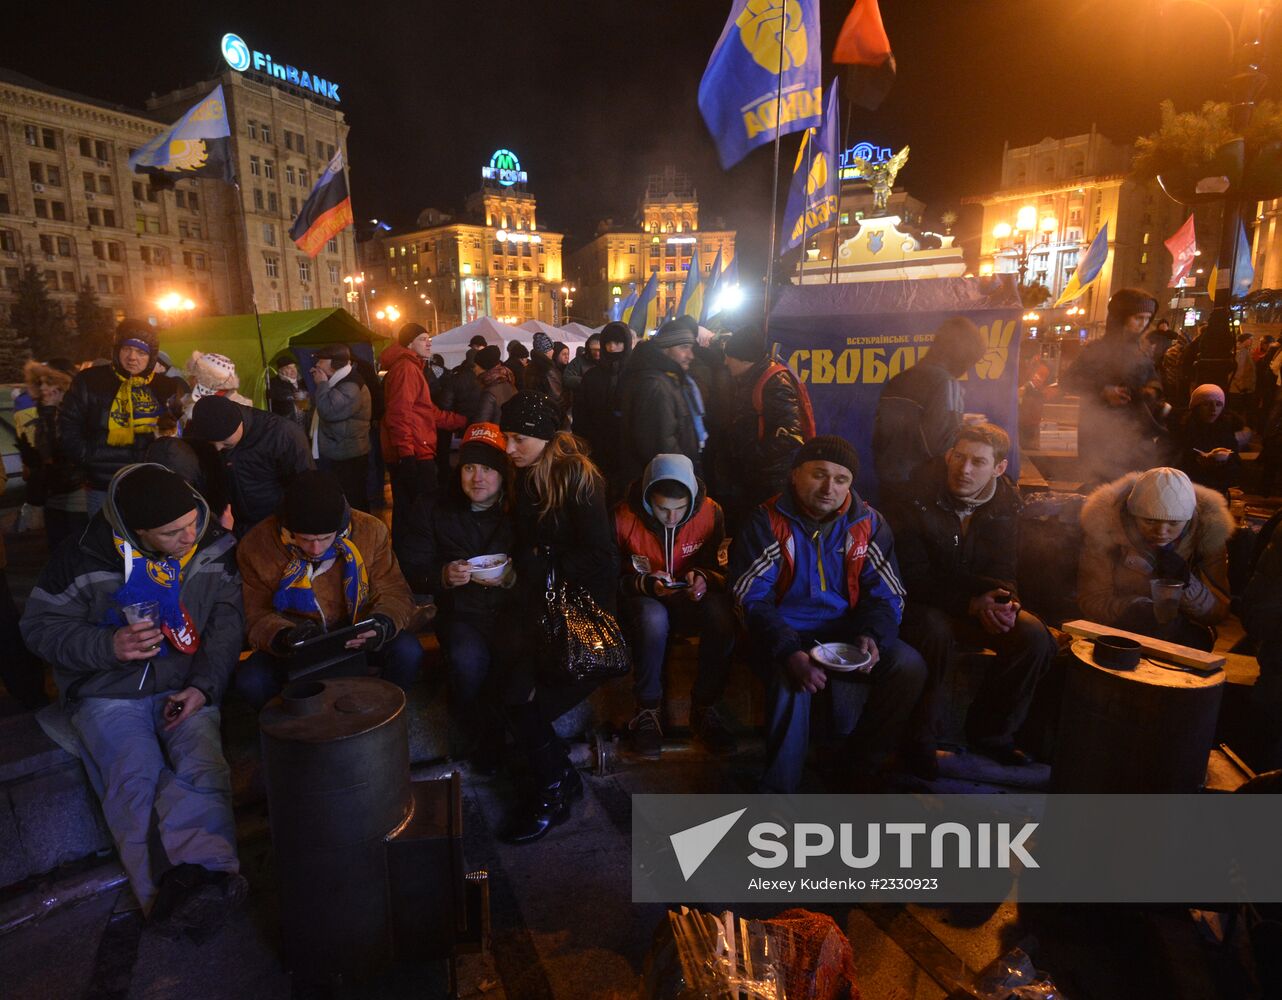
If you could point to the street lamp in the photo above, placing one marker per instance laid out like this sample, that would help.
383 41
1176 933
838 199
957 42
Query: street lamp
1026 223
567 292
436 323
172 305
389 314
356 287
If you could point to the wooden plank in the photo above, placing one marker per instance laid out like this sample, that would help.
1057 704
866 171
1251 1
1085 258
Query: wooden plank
1158 648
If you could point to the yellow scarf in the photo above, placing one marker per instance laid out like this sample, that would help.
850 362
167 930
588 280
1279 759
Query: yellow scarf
135 409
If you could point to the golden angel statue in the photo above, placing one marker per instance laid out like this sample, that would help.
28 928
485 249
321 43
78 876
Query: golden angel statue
881 178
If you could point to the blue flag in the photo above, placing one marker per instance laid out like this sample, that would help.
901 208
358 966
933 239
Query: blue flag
812 198
692 290
194 146
728 294
620 307
1088 268
762 42
644 314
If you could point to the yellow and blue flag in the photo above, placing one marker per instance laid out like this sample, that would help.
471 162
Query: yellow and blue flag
644 314
1088 268
1243 269
710 290
621 306
812 198
692 290
197 145
766 47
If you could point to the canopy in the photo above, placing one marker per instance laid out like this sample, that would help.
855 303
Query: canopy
237 338
452 344
578 328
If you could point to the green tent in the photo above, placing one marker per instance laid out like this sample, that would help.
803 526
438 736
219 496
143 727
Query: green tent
237 338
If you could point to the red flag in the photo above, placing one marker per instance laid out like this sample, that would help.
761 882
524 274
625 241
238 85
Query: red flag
863 46
1183 247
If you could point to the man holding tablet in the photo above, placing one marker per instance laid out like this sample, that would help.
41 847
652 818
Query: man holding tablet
315 568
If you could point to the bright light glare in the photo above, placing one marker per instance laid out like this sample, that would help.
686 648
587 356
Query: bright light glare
730 299
1026 218
1002 230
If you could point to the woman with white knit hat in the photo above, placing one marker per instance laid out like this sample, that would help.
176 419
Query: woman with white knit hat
1156 526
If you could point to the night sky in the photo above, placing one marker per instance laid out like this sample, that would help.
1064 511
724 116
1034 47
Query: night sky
595 94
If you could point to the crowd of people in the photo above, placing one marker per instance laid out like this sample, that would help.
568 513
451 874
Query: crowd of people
678 482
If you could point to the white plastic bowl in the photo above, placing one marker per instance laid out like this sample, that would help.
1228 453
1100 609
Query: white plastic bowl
840 656
489 568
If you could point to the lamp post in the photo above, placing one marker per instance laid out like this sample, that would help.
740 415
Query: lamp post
1026 224
388 314
356 288
566 300
172 305
436 323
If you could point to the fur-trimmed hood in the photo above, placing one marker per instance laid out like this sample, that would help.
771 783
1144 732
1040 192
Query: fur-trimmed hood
1103 519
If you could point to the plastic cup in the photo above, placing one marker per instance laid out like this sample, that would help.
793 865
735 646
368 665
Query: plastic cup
1166 599
143 611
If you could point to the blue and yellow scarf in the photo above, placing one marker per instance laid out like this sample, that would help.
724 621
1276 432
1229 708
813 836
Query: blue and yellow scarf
161 581
294 594
134 410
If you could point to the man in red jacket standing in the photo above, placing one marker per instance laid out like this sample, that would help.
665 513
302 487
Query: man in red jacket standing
410 423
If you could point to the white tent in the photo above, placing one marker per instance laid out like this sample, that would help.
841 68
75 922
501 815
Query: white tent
583 331
452 344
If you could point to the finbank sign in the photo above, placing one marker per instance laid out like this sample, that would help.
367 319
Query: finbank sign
242 59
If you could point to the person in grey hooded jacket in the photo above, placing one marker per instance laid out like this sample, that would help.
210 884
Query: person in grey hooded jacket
670 535
142 685
340 424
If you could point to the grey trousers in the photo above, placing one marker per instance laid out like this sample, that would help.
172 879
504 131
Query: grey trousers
172 787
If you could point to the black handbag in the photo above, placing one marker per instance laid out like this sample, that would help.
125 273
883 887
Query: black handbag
578 640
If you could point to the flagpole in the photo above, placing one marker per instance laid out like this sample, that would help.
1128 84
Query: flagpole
836 233
774 198
253 298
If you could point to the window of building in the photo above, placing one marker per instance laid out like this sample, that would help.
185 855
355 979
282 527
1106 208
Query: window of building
304 269
105 186
53 176
118 284
293 206
195 230
91 183
95 217
272 264
68 281
320 150
64 246
1144 257
46 244
11 276
86 146
180 199
289 140
309 301
258 199
267 132
4 203
252 129
148 224
277 301
269 234
255 166
1146 236
272 204
8 241
670 266
333 273
289 173
32 135
104 284
302 176
42 208
193 201
331 245
269 169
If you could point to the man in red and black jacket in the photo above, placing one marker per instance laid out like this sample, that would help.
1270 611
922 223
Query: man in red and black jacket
669 535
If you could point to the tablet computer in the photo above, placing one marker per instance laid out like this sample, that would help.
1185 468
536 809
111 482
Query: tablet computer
328 644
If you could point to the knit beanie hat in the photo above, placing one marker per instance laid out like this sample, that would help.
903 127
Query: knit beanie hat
534 414
484 444
313 504
282 359
139 334
515 349
1162 494
558 347
149 496
542 343
488 357
477 342
616 333
211 373
1128 301
214 418
828 448
673 333
746 345
409 333
1205 394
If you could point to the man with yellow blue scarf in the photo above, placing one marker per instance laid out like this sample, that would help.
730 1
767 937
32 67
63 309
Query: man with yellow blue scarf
109 415
316 566
142 624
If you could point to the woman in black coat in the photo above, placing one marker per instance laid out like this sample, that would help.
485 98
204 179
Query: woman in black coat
564 526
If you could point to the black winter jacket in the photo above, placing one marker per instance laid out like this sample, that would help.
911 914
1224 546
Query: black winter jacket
656 412
918 417
82 422
445 530
50 472
581 538
598 419
259 468
461 392
941 567
756 464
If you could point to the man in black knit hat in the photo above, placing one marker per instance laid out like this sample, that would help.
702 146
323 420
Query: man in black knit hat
814 566
142 624
261 452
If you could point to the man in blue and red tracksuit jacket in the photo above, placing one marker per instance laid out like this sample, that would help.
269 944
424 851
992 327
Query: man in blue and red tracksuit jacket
817 564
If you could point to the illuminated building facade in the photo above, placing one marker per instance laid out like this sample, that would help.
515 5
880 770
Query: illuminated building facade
493 261
616 260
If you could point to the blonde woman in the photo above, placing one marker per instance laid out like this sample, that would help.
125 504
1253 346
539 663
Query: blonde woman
562 523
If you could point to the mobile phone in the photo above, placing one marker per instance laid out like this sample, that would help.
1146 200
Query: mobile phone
676 584
173 709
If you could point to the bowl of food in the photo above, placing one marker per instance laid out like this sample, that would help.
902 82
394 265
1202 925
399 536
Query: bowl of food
840 656
486 569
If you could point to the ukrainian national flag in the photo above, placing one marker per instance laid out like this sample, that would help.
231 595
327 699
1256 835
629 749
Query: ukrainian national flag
1088 268
710 289
812 198
326 212
620 308
692 290
197 145
644 314
767 48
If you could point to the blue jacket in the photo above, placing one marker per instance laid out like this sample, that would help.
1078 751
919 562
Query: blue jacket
792 578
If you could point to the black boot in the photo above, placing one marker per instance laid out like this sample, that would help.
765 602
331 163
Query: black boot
546 808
